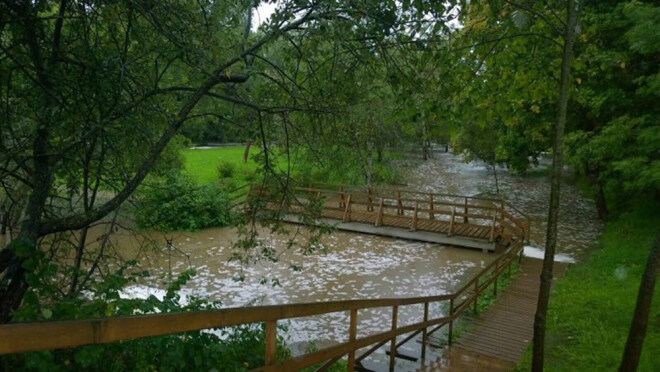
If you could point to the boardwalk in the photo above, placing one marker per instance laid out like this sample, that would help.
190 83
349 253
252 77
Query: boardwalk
497 339
464 221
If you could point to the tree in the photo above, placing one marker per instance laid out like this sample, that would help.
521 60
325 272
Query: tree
572 13
639 323
94 93
615 116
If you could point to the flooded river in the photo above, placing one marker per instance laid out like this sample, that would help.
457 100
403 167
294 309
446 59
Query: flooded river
363 266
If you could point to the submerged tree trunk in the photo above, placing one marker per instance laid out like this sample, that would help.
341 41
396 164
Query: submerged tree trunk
555 186
640 319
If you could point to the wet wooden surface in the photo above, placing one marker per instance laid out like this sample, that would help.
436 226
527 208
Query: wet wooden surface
495 340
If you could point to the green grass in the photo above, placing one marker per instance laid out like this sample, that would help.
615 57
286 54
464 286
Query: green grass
202 164
591 308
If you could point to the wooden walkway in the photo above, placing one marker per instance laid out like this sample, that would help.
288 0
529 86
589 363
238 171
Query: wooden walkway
497 339
464 221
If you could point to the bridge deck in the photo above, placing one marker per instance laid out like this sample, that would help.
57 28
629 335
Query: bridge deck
502 333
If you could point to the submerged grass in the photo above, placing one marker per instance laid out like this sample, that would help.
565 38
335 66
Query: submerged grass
591 307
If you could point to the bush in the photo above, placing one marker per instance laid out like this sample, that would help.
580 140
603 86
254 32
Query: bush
226 170
227 349
181 204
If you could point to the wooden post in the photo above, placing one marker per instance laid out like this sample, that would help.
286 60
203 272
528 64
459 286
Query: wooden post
347 210
492 230
451 223
352 333
379 217
271 342
399 204
341 196
465 218
424 341
395 310
370 207
451 322
431 215
496 276
413 225
476 295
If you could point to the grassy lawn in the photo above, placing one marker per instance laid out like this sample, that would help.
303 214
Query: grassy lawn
591 308
202 164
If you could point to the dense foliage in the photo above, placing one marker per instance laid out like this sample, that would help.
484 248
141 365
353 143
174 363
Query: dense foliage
182 204
228 349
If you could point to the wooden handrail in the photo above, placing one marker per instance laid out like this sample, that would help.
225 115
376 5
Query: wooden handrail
22 337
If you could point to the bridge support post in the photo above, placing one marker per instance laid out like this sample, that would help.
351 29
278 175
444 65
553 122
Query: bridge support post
395 310
271 342
352 332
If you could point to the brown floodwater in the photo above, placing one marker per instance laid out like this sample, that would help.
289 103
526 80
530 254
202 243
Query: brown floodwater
356 266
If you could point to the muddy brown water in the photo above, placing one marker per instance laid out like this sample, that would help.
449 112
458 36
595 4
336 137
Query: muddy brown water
363 266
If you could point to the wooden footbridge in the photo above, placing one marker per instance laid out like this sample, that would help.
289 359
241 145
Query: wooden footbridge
431 213
464 221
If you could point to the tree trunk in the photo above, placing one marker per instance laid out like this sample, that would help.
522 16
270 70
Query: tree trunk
601 202
555 186
246 153
640 319
80 249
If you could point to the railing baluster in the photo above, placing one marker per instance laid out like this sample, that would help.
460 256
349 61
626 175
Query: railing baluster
476 295
431 215
465 218
379 216
451 223
492 230
352 334
413 225
395 311
496 277
347 210
451 322
424 340
341 196
271 342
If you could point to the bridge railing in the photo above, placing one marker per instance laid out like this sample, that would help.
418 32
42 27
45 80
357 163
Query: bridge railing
23 337
472 212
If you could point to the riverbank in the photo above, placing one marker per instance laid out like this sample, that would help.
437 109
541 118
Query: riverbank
591 308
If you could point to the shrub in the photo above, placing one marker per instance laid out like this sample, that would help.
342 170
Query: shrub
181 204
226 170
227 349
